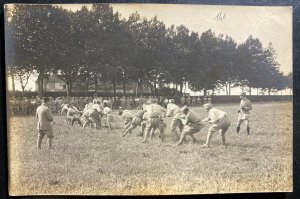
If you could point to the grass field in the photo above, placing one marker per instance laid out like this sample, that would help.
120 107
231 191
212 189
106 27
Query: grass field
92 162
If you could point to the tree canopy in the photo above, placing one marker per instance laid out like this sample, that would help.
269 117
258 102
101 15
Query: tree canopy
96 46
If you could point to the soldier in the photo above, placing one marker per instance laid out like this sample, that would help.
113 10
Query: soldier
73 115
183 101
192 124
188 100
64 109
244 113
136 101
219 121
109 117
24 106
154 119
130 103
124 103
95 112
174 111
199 100
194 101
137 120
86 119
127 117
109 102
44 126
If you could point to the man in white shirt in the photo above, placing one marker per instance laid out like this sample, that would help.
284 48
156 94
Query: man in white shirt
94 113
73 115
244 113
127 117
153 116
174 111
109 117
137 120
219 121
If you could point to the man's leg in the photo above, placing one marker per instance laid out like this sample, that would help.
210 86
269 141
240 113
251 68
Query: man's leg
146 131
127 124
238 125
174 124
211 130
247 121
224 130
41 135
143 126
50 142
186 131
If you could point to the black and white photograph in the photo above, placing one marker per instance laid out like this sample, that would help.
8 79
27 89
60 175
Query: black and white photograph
148 99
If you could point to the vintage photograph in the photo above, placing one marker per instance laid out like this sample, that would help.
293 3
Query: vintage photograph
148 99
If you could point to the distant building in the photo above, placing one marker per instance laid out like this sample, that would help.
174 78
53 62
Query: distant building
54 84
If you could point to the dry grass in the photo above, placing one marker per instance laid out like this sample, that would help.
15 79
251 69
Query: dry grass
99 163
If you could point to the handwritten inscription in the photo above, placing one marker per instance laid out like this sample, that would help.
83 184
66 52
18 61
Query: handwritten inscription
220 17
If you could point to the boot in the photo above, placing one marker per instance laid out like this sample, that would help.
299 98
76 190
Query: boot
248 130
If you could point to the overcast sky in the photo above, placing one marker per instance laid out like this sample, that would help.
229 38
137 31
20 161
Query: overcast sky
269 24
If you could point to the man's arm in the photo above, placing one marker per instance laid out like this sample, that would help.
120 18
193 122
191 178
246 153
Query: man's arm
49 115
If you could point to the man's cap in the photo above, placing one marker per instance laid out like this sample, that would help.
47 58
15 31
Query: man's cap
171 101
208 105
243 94
184 108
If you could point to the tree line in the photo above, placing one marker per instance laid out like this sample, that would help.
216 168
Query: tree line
98 47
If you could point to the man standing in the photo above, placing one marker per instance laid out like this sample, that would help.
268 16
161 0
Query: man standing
192 124
109 116
174 111
44 126
244 113
219 121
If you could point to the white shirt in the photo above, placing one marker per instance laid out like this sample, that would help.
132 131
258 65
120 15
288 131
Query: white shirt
72 111
107 110
215 114
173 110
153 108
97 107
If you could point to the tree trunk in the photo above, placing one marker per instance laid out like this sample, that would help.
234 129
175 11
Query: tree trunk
40 85
181 87
154 88
124 83
226 89
96 83
229 88
136 89
204 92
141 87
13 82
269 91
86 87
114 82
250 91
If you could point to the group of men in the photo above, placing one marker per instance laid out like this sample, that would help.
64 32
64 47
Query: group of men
149 118
28 106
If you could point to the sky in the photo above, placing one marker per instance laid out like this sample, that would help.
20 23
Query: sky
269 24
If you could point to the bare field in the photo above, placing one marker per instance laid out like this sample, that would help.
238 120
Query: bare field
91 162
